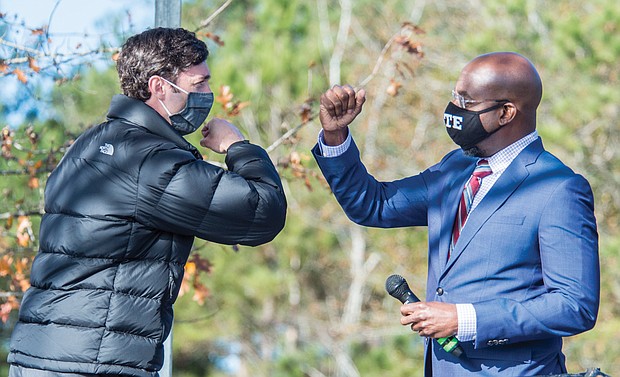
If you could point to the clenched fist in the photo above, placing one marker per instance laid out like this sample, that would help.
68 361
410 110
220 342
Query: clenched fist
218 134
339 107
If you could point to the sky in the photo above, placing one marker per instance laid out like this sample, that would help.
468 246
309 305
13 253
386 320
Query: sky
76 16
71 23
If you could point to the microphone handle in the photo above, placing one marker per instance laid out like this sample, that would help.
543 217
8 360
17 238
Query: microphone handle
449 344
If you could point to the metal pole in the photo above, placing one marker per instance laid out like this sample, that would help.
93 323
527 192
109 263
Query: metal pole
167 14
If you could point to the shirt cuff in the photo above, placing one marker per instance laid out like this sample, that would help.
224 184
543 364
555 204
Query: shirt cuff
333 151
467 322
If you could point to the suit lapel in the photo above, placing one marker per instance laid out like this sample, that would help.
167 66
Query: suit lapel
510 180
449 207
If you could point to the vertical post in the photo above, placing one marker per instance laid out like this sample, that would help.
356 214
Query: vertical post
167 14
166 368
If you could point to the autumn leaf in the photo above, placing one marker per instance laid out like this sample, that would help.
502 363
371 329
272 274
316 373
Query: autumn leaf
33 65
191 279
7 142
306 111
201 292
6 308
9 222
201 264
236 108
215 38
24 231
5 265
21 76
4 68
415 28
190 269
39 31
33 183
393 88
225 96
5 312
22 265
188 276
24 284
295 158
408 45
32 135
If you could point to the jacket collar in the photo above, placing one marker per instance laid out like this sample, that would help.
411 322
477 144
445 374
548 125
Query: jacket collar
137 112
510 180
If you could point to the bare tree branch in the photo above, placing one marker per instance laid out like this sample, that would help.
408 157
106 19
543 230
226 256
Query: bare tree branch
206 22
32 212
341 41
290 133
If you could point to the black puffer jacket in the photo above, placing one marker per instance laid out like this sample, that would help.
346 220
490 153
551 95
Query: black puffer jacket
122 210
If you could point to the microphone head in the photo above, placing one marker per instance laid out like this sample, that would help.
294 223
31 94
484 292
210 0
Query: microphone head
398 288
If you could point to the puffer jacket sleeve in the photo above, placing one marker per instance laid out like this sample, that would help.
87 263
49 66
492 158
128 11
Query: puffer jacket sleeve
242 205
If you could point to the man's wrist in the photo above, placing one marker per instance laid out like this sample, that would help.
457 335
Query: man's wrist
333 151
335 138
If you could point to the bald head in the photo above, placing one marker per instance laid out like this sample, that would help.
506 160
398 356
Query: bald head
505 78
503 75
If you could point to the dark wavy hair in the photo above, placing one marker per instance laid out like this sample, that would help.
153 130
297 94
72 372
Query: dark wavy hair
163 52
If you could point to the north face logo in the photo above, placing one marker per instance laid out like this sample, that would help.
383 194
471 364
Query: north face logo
107 149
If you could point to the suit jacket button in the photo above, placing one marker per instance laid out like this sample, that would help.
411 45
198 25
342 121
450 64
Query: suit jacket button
439 291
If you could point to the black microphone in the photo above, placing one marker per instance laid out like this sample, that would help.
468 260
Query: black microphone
398 288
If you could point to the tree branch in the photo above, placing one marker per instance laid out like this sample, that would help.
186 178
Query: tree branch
32 212
290 133
206 22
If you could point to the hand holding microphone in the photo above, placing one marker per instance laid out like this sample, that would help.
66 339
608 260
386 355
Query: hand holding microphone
398 288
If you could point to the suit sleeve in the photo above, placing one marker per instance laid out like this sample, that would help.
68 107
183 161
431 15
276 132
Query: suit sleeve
568 245
242 205
369 202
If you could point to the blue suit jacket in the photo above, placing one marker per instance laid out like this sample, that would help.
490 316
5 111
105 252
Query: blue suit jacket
527 259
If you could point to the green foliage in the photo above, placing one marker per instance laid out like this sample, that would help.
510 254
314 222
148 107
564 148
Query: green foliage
399 356
262 59
84 100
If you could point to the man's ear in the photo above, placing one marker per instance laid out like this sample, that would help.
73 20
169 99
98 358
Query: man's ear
509 112
156 87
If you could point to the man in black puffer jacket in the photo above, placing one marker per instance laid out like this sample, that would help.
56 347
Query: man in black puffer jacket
122 210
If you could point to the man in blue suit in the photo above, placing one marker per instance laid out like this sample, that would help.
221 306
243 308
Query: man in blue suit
513 253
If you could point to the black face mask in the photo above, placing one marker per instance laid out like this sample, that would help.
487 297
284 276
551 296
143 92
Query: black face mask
464 126
194 113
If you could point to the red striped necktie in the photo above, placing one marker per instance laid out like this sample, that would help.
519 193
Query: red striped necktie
467 198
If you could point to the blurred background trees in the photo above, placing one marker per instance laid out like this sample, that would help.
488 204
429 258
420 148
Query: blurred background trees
312 302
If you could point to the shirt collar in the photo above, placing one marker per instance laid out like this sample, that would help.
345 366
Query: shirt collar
500 160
